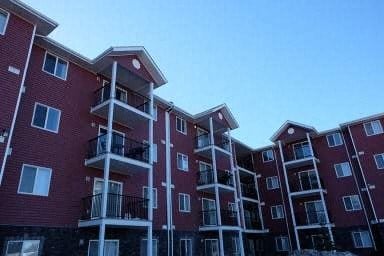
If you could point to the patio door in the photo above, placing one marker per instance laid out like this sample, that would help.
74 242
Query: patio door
206 173
202 138
120 93
117 145
209 212
308 180
114 198
315 212
211 247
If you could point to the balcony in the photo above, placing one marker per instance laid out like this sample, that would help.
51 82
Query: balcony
248 191
305 184
206 181
311 219
252 223
203 146
245 164
130 107
209 220
127 156
121 210
303 156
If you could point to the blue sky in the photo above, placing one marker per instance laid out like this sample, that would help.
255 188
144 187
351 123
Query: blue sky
318 62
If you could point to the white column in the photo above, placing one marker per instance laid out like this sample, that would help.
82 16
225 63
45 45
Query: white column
289 198
150 172
231 159
107 159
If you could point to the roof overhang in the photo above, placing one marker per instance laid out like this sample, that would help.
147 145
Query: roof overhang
286 125
44 24
224 110
362 120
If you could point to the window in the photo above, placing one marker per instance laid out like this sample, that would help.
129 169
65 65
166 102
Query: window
35 180
25 247
185 247
143 247
232 209
184 203
154 153
154 195
272 182
4 16
277 212
373 128
182 162
343 170
111 247
268 155
334 139
282 243
55 66
362 239
379 159
302 150
352 203
181 125
46 118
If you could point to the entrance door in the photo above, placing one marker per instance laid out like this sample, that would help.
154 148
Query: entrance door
114 198
211 247
315 212
209 212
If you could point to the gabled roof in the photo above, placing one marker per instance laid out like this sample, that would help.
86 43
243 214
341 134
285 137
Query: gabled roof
223 108
286 125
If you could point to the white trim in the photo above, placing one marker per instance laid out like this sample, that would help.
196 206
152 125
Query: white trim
301 147
184 195
281 238
377 165
341 164
6 21
286 124
46 118
154 193
34 184
272 178
184 124
278 206
182 159
57 60
370 123
106 240
360 232
268 160
22 241
350 198
185 239
157 246
333 135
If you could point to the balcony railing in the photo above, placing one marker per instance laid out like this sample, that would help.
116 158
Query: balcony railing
252 222
248 190
118 207
246 164
123 95
304 183
311 218
120 146
204 140
207 178
228 218
209 218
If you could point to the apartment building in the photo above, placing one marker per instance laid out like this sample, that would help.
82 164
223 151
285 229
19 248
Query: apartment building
94 163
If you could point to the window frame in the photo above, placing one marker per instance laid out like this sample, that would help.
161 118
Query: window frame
154 193
153 240
362 241
34 184
333 137
278 206
268 160
370 123
57 60
182 158
109 240
46 118
281 238
272 178
353 209
378 155
183 196
7 14
183 121
16 241
180 245
341 164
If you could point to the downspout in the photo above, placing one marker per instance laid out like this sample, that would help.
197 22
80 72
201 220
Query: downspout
17 105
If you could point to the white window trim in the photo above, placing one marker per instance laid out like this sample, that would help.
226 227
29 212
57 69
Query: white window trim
34 184
57 59
276 244
186 239
370 123
189 200
273 156
271 178
333 135
156 242
360 232
377 165
6 21
350 198
17 241
177 161
276 207
153 197
340 164
305 142
46 118
106 240
185 122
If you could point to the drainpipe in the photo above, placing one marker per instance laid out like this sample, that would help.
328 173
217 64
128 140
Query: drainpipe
17 105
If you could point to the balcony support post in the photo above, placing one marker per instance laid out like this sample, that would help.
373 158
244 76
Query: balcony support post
107 159
289 198
321 190
150 172
238 202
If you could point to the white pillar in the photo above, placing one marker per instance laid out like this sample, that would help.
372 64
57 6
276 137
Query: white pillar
231 159
150 172
107 159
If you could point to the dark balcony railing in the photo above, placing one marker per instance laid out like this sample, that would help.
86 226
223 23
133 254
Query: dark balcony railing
304 183
245 163
118 207
204 140
228 218
252 222
310 218
208 218
207 177
124 95
249 190
120 146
